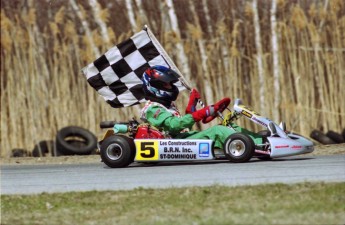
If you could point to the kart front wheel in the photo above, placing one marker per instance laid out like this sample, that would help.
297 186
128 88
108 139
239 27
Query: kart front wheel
239 148
117 151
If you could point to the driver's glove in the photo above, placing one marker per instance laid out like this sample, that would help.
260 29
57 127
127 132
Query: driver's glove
203 113
193 100
209 112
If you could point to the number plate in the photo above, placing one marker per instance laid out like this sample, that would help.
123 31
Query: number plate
172 150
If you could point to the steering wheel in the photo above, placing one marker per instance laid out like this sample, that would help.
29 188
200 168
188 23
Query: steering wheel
221 106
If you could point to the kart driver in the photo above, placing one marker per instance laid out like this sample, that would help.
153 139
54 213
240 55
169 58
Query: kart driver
161 112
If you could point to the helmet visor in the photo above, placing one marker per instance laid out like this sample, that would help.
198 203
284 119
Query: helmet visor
162 85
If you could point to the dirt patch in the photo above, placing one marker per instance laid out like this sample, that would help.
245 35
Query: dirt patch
77 159
319 150
335 149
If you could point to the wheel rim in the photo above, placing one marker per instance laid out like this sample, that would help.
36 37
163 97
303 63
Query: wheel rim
237 148
114 151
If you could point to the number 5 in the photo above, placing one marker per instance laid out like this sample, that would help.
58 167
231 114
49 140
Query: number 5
147 150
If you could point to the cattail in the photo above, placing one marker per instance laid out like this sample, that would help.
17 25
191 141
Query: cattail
194 31
104 15
70 31
59 16
54 29
298 18
248 10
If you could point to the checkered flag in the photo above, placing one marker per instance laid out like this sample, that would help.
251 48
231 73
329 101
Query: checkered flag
116 75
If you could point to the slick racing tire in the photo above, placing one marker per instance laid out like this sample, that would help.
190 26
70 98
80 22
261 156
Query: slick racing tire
117 151
74 140
239 148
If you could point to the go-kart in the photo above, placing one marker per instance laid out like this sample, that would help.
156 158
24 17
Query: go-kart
132 141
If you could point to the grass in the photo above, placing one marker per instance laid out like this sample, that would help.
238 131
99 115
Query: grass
304 203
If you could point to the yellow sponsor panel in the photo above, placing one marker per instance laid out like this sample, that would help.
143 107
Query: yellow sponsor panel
247 114
249 109
146 150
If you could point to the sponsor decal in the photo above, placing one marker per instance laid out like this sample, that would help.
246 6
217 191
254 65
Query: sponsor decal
250 110
282 146
258 121
247 114
189 143
177 156
204 150
262 152
296 147
156 113
147 150
152 150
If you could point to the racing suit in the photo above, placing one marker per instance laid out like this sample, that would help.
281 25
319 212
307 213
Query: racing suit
177 126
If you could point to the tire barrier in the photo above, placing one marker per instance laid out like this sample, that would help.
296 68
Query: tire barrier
338 138
331 137
19 152
44 148
73 140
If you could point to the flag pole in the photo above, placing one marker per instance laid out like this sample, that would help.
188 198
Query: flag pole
161 50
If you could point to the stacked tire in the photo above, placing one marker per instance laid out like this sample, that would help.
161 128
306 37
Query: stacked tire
45 148
75 140
331 137
71 140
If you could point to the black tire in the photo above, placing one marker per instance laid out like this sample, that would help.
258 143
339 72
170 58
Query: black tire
81 144
74 140
43 148
117 151
338 138
19 152
321 137
239 148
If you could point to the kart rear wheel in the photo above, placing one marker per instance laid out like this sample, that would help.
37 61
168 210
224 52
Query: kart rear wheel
117 151
239 148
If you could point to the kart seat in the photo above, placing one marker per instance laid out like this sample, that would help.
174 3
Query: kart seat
272 128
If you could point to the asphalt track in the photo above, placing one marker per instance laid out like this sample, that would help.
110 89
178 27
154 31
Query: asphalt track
35 179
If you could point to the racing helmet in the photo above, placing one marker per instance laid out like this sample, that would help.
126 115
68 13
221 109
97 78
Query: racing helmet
158 84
